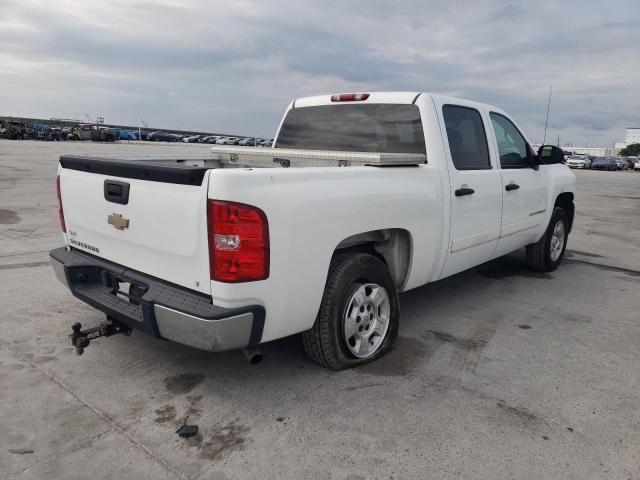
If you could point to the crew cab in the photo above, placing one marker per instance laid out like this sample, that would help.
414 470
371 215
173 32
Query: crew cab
362 196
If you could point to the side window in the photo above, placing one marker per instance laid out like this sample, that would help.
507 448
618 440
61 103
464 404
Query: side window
512 146
467 138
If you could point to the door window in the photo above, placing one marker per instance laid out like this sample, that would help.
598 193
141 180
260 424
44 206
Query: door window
467 138
512 146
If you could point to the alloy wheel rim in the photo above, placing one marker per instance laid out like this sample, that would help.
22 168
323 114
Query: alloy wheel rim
366 319
557 240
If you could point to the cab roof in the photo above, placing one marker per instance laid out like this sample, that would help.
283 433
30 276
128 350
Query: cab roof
383 97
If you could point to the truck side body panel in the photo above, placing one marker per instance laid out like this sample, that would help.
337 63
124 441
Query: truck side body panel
310 212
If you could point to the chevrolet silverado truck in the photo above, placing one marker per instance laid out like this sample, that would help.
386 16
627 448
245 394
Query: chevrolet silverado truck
362 196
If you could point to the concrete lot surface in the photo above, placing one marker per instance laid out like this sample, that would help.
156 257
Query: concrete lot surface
498 373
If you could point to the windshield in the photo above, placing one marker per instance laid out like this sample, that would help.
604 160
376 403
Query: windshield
386 128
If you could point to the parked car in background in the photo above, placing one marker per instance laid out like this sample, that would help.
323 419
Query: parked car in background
96 133
636 167
191 139
56 134
127 135
630 161
228 141
111 134
15 130
620 164
248 142
578 161
603 163
161 137
266 143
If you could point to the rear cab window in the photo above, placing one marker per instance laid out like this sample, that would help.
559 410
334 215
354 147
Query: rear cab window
374 127
467 138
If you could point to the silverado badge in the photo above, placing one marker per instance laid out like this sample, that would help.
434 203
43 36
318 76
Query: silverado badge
118 221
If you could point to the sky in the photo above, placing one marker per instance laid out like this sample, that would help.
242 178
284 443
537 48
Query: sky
233 66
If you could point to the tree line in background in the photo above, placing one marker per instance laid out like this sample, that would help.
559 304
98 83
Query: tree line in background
632 150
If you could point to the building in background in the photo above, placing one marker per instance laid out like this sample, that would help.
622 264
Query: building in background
592 151
632 135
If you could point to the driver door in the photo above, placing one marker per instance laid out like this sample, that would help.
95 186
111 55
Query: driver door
524 188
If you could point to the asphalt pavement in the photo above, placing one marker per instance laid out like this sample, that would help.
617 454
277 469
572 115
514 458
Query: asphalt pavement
498 373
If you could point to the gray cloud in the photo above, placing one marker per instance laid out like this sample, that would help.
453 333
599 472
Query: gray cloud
233 66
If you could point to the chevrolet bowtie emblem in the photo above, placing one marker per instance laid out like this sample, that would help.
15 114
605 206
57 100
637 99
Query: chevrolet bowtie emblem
118 221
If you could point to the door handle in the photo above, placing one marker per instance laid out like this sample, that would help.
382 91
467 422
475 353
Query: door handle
461 192
512 186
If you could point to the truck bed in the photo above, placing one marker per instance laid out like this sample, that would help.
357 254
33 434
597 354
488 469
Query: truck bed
191 170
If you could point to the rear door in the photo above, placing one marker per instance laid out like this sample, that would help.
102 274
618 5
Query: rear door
474 187
524 189
157 225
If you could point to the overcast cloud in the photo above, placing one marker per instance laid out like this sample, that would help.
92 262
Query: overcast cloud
233 66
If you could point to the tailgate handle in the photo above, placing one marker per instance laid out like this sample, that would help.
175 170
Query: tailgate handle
116 192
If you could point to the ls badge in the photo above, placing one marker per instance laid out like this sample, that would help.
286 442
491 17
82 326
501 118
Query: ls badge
118 221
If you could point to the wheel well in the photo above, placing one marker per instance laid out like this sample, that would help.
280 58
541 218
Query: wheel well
565 201
391 245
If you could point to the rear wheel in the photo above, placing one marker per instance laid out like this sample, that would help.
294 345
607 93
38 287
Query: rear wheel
546 254
359 315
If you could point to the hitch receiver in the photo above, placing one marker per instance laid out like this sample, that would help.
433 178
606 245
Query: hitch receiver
80 339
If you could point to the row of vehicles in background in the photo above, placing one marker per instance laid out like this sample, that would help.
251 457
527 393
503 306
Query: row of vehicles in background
16 130
221 140
160 136
610 164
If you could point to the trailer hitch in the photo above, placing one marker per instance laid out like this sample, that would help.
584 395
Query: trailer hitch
80 339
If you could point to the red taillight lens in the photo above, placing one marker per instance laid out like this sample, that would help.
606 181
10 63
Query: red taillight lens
60 210
238 242
349 97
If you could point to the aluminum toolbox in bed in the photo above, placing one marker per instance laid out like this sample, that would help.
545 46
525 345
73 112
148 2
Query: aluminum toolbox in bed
256 157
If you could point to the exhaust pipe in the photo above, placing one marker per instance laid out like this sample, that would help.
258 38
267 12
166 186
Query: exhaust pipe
253 355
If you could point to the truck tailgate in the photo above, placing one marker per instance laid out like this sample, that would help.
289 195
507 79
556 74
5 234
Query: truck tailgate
161 228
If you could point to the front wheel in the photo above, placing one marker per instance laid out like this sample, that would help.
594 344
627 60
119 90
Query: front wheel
547 253
359 315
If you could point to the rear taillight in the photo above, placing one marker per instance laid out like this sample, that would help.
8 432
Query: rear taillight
60 210
238 242
349 97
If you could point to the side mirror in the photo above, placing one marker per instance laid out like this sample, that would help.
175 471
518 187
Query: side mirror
550 154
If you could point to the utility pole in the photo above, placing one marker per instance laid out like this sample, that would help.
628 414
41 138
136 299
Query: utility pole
546 120
558 140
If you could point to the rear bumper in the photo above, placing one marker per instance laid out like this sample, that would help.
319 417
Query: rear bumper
163 310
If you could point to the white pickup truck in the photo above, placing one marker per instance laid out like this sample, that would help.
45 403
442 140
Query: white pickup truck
361 197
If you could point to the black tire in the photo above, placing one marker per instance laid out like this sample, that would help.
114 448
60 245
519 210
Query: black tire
325 343
539 254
